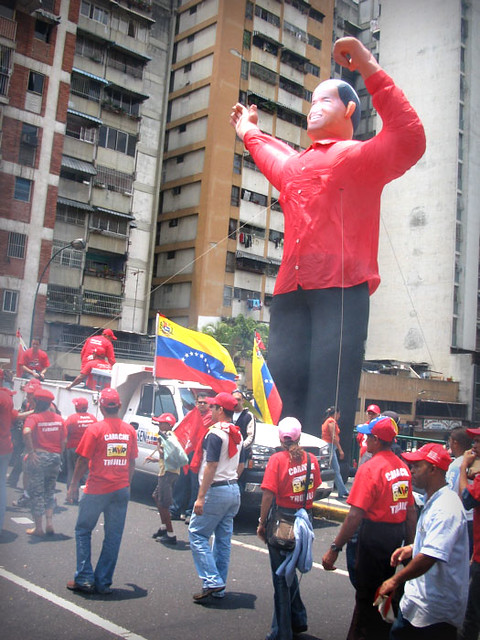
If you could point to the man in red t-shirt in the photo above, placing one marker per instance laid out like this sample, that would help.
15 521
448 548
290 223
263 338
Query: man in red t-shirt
86 372
44 434
470 494
382 505
7 416
108 450
76 423
34 361
94 342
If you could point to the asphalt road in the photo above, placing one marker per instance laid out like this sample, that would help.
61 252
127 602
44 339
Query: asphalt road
153 584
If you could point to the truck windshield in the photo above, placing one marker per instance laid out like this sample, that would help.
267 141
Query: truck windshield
164 402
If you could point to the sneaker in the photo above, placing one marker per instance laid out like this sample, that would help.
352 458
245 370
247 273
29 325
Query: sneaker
23 501
82 588
159 534
168 540
206 592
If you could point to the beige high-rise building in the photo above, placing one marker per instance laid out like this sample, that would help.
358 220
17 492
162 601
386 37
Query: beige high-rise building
220 227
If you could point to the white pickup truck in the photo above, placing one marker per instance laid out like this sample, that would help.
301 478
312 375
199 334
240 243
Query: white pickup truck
144 396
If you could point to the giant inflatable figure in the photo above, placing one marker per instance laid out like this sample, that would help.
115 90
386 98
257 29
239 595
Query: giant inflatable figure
330 197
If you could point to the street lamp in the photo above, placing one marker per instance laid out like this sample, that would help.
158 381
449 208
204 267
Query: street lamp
79 244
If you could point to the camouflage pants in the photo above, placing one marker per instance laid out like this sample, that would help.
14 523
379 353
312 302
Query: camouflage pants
42 476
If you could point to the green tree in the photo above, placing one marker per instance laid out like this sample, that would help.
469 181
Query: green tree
236 335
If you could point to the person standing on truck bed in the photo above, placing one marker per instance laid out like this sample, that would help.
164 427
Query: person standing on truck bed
218 499
94 342
34 361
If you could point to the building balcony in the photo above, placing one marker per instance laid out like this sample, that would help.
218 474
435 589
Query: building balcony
8 28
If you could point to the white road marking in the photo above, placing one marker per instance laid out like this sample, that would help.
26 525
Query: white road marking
254 547
89 616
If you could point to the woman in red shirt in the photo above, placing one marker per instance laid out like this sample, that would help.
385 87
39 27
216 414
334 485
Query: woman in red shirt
44 434
284 481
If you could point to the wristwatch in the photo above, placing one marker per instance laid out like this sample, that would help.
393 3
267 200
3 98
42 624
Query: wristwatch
336 548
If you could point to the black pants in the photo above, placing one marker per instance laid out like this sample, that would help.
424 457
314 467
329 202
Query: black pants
317 336
376 543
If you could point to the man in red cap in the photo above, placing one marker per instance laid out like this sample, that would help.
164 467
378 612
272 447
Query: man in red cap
94 342
98 361
44 434
381 504
218 498
167 477
76 424
470 494
108 450
436 579
34 361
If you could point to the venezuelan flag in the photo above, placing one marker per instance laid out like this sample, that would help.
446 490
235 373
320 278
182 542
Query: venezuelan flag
184 354
267 398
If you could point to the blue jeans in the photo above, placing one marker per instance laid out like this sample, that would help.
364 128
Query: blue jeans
471 624
114 508
4 458
339 484
289 611
211 562
403 630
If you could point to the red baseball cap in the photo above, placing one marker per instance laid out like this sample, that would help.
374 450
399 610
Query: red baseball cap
374 408
109 398
223 399
383 427
431 452
80 403
109 333
43 394
169 418
473 432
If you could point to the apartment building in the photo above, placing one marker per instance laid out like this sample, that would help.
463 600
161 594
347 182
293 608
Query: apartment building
83 86
220 227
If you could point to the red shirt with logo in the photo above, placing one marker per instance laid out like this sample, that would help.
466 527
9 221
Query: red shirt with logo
474 490
382 488
76 425
91 382
7 415
286 479
48 431
94 343
110 446
37 361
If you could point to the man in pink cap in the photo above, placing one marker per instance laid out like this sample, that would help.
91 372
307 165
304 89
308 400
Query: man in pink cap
218 498
108 450
436 578
381 504
103 341
470 494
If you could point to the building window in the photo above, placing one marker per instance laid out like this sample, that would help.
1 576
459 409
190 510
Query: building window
227 296
173 222
267 16
237 163
249 10
123 101
313 69
70 215
296 32
180 159
23 188
69 257
101 304
244 69
98 14
232 228
114 180
247 39
36 82
88 48
85 87
235 196
125 63
170 255
42 31
193 9
75 129
10 301
5 68
177 191
28 145
316 15
182 128
230 262
110 138
267 75
314 42
64 299
111 224
16 245
253 196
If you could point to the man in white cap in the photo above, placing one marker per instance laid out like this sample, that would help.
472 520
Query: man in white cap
381 504
218 499
108 450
